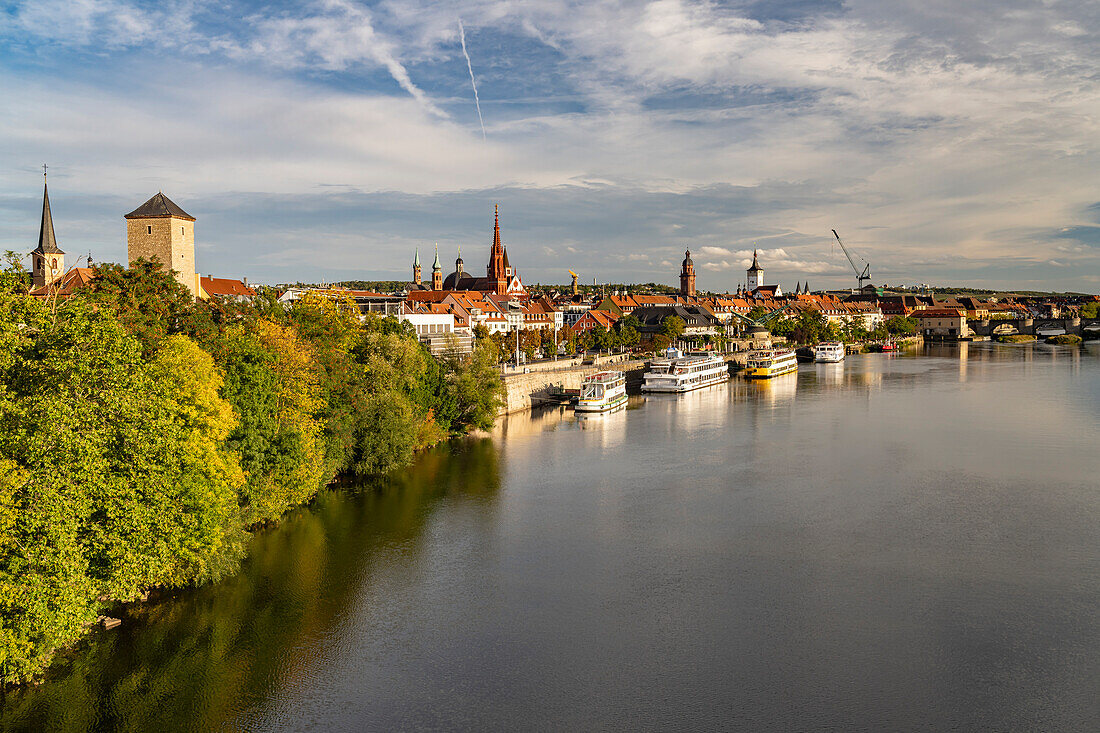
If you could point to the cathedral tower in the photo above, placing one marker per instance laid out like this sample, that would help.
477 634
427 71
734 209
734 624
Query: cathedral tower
47 261
687 276
160 229
416 267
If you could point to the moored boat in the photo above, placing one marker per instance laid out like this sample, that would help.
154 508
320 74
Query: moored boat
676 373
602 392
829 352
768 363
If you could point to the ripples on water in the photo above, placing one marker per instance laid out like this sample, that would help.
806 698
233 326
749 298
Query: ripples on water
897 542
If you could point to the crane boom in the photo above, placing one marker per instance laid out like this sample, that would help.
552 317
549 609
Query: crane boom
865 275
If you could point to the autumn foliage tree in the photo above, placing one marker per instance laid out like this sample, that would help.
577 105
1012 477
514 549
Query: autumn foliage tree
142 433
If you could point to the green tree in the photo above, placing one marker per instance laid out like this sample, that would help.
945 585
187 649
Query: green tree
14 278
114 471
478 387
273 385
902 326
145 299
673 327
629 330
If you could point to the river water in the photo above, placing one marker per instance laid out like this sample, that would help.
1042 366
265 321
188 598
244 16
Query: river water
893 543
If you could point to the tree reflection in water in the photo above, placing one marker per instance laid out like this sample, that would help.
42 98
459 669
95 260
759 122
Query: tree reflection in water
195 659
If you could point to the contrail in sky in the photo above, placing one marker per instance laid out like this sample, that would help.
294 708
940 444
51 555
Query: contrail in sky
473 83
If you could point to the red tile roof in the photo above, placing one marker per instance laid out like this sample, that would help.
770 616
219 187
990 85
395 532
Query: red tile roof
226 286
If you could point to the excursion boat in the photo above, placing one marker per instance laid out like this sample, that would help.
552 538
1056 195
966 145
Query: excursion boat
829 352
768 363
678 373
602 392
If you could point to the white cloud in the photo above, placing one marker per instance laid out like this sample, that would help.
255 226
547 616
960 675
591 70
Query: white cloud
924 137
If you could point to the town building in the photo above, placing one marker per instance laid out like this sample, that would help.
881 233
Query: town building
698 320
225 288
942 324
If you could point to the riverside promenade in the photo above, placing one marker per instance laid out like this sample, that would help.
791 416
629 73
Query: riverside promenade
529 385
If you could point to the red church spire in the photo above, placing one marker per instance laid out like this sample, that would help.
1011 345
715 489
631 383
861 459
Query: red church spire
497 269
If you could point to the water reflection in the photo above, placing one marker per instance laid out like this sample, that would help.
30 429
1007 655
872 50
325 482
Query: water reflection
884 546
197 659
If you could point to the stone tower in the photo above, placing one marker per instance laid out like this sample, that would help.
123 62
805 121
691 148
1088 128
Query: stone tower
755 274
416 267
687 276
160 229
437 272
47 261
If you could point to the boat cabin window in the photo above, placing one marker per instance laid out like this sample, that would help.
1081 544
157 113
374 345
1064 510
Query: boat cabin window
592 391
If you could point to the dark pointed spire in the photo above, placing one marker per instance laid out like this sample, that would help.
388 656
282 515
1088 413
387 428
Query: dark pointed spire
755 266
47 242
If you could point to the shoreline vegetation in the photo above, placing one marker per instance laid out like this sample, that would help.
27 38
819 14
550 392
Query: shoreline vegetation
144 434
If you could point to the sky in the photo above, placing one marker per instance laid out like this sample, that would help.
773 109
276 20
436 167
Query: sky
948 143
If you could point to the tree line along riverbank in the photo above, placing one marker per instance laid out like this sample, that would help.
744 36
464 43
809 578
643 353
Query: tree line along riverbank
143 434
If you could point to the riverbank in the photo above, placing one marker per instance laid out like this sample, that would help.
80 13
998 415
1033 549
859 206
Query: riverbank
499 581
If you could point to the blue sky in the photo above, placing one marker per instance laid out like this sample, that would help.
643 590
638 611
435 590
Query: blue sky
948 142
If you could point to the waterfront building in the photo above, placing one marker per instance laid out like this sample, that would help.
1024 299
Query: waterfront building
942 324
161 230
698 320
593 319
47 259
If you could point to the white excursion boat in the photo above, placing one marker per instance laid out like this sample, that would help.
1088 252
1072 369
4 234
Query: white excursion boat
602 392
678 373
829 352
768 363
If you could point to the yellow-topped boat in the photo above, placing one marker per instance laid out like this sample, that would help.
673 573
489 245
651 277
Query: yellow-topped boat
768 363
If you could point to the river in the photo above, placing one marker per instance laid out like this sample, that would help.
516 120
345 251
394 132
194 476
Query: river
897 542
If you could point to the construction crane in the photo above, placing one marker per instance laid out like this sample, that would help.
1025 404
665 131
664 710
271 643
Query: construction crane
861 277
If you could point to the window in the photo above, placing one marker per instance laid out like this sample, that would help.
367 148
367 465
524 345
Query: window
181 230
150 228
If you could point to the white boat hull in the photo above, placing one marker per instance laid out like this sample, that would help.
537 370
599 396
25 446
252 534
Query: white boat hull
674 388
602 406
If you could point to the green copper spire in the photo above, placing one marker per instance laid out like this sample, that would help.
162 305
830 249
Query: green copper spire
416 260
436 265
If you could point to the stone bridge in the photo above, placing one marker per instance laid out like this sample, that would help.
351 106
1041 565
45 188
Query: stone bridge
1084 327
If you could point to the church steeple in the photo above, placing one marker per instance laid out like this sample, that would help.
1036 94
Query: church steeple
497 269
437 271
47 260
687 276
416 267
755 274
